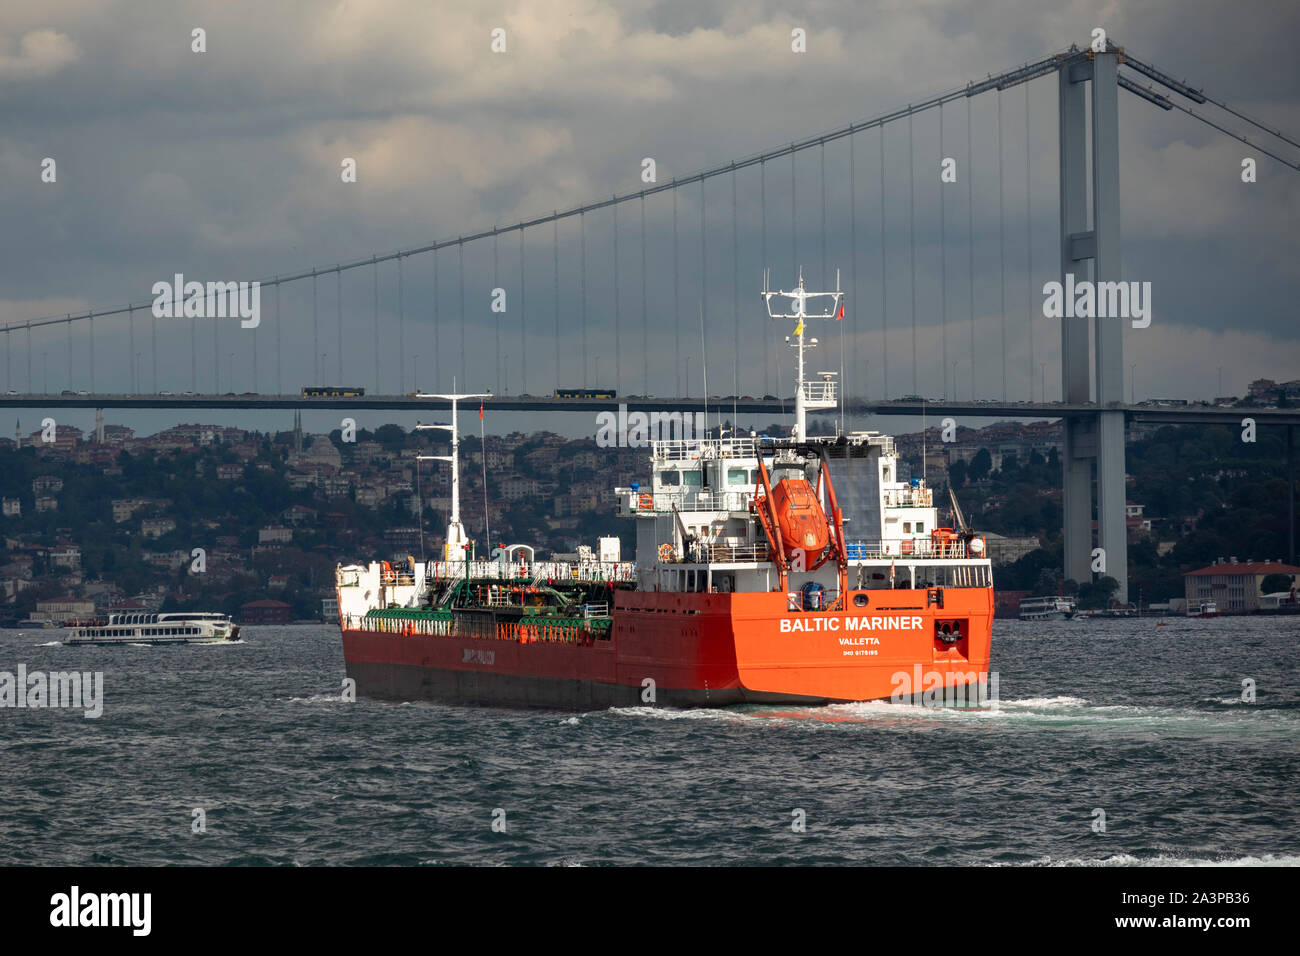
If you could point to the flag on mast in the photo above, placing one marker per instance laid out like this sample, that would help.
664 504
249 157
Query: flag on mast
840 314
480 410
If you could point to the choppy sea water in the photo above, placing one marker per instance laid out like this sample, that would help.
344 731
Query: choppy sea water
1143 721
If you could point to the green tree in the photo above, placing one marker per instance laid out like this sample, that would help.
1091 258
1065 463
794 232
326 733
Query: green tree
1098 595
1276 582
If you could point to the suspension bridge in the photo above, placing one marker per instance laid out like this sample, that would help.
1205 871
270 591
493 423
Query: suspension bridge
564 299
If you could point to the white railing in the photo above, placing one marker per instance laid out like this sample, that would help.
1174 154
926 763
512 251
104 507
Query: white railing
690 501
819 392
884 442
729 553
910 498
532 570
872 550
678 449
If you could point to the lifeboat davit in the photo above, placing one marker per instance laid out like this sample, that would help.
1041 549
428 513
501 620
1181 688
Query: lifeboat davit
800 520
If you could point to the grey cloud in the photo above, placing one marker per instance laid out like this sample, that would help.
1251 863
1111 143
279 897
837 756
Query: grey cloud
227 164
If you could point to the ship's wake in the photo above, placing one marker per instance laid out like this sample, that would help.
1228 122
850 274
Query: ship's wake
1062 712
1125 859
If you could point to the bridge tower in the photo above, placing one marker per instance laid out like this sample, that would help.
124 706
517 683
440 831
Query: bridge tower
1092 247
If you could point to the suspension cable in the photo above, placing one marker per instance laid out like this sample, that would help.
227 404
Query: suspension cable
998 82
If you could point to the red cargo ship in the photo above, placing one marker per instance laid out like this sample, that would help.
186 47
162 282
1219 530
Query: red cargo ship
797 570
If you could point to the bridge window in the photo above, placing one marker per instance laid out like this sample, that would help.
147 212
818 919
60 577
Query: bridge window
907 527
920 527
670 478
737 476
691 479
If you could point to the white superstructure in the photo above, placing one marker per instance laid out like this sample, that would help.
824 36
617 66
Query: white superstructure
697 523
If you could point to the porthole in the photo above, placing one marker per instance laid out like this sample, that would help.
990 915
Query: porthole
860 599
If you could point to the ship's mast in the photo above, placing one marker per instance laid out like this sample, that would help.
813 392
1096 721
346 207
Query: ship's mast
807 395
457 540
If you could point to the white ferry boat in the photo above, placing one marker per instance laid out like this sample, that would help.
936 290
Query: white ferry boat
176 627
1047 609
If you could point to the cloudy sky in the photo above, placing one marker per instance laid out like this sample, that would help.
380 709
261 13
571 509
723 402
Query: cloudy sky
226 165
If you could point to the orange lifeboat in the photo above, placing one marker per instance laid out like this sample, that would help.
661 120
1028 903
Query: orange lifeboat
800 520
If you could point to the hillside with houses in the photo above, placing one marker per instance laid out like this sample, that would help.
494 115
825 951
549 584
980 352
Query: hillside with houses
253 524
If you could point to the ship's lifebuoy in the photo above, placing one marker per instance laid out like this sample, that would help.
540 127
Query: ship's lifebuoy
665 552
645 502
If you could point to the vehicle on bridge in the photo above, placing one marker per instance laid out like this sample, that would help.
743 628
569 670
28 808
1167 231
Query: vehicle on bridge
332 391
585 393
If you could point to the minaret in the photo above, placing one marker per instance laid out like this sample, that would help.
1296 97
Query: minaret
99 425
18 433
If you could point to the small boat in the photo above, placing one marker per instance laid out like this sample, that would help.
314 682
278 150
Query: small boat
1204 609
176 627
1047 609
